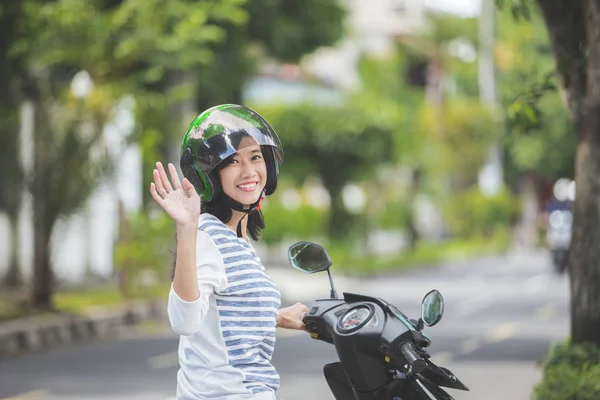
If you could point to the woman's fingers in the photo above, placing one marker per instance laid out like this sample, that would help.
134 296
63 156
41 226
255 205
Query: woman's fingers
158 183
189 188
163 177
155 194
174 177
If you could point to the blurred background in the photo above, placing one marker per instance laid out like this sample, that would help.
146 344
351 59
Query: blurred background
415 133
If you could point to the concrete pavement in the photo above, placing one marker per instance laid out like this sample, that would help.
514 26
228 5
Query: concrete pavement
501 314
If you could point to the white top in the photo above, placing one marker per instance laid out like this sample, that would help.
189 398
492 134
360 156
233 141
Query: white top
228 333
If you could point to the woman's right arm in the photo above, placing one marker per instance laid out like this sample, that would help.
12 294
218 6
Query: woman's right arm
198 268
184 281
198 273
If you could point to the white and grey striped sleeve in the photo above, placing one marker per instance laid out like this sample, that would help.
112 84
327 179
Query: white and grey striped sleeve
186 316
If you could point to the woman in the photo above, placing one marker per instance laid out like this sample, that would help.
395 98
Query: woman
222 303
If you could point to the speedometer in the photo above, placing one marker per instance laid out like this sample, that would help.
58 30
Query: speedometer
355 318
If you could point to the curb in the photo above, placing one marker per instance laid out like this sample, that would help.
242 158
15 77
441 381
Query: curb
38 333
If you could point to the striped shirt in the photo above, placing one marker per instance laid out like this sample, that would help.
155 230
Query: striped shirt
228 333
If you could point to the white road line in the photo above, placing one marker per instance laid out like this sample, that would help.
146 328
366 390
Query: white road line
163 361
441 358
501 333
470 345
545 312
284 333
33 395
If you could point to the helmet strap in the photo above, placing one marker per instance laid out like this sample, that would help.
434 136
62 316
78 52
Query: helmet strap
240 207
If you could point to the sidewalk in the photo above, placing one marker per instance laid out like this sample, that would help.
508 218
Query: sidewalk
44 332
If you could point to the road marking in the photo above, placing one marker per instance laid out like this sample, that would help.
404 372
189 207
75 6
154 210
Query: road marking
470 306
545 312
441 358
470 345
163 361
33 395
284 333
501 333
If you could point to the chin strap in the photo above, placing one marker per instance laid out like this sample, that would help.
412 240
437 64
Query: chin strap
240 207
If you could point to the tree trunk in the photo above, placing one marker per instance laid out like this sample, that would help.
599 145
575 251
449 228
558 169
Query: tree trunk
43 212
13 277
43 285
585 250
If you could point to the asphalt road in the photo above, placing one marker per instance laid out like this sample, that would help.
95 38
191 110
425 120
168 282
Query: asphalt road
501 314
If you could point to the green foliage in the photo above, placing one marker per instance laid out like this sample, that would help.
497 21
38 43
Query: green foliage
346 258
471 214
571 372
343 143
393 215
132 41
145 246
459 134
302 222
281 26
540 134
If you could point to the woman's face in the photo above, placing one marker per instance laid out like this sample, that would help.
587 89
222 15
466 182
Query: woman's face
244 177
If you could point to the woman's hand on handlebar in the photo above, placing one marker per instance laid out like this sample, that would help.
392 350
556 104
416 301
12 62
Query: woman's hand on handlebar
291 317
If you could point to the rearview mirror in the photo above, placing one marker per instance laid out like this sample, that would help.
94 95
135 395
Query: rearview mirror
432 308
309 257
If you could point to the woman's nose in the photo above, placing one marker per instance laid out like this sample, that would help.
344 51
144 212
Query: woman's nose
248 170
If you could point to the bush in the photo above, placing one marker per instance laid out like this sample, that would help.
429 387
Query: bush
571 372
304 222
393 215
473 214
144 252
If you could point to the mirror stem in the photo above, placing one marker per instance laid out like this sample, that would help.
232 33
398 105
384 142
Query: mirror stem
333 292
420 325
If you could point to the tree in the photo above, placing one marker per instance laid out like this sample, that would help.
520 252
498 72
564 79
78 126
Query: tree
126 47
540 137
272 29
574 31
338 144
11 177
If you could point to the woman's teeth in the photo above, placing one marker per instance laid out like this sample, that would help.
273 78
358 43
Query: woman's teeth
248 186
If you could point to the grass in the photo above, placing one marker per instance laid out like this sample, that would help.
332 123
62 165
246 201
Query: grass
424 254
80 301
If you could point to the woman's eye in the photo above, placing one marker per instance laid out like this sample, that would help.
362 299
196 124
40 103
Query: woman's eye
257 157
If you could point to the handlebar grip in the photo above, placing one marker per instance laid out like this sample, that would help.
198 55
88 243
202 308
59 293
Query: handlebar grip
416 363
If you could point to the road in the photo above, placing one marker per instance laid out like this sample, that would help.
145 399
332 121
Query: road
501 314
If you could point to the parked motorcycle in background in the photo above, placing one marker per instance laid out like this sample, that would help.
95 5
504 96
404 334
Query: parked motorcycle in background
558 238
559 222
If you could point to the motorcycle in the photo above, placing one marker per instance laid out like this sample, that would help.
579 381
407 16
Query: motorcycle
382 353
558 238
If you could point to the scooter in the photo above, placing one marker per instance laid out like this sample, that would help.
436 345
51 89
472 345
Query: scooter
558 238
382 353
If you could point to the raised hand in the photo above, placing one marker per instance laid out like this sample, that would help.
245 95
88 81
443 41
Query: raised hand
178 199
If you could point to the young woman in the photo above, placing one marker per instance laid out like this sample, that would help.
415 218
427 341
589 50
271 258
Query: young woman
222 303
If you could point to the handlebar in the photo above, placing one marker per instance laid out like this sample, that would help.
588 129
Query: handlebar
417 364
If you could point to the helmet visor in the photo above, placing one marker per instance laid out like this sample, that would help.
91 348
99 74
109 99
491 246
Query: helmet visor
224 132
